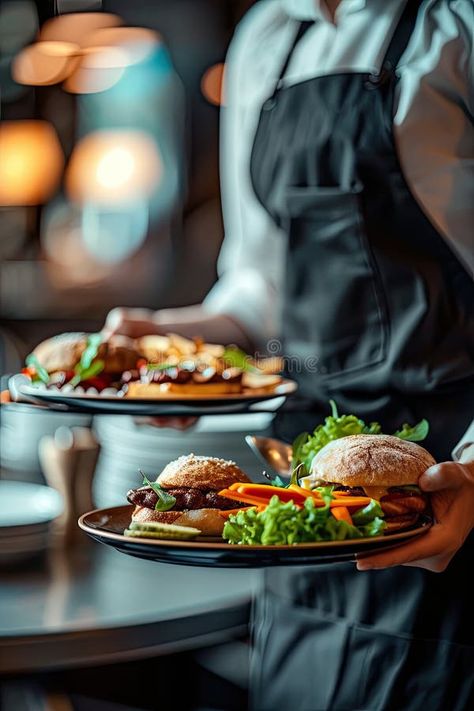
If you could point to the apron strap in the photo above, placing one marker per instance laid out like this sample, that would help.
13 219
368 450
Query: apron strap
302 29
401 36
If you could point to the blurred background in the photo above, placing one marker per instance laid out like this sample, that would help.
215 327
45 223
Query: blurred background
109 195
109 186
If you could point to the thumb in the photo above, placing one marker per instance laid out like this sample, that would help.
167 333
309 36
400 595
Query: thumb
446 475
114 322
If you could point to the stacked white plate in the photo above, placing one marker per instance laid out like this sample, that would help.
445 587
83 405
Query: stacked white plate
26 513
127 446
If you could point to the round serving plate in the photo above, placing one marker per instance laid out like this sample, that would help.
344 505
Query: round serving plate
167 405
26 506
107 525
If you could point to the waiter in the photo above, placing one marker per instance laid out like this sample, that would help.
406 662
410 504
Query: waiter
347 189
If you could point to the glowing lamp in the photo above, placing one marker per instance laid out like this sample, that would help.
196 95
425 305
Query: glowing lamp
212 84
113 167
44 63
31 162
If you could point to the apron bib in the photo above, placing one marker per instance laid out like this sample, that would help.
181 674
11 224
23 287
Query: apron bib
381 308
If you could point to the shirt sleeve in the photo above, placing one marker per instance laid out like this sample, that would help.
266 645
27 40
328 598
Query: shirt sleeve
464 450
434 121
250 264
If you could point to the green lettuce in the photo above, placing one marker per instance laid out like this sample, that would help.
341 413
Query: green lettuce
335 426
287 524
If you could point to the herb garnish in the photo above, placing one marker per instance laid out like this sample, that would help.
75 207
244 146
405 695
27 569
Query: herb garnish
165 501
41 374
88 366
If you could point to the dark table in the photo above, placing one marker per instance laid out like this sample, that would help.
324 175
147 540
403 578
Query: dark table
92 605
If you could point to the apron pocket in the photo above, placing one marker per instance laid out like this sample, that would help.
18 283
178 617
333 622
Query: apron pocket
335 313
309 661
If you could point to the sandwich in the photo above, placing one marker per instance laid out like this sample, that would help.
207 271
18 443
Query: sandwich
382 467
82 359
181 366
150 367
186 494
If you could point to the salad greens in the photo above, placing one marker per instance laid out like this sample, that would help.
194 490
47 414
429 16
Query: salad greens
306 445
41 374
236 358
417 433
287 524
88 366
165 501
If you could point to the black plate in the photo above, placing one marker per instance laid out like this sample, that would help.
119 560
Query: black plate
21 390
107 526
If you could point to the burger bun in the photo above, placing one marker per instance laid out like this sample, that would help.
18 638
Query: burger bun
209 521
63 352
371 460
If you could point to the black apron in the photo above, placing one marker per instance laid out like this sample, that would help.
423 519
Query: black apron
378 315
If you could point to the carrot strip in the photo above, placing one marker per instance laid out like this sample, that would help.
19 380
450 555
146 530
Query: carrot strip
342 514
244 498
266 491
351 501
305 493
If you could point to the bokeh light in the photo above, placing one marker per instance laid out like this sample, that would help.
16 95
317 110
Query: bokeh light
44 63
113 167
98 70
77 27
63 246
136 43
112 235
31 162
213 84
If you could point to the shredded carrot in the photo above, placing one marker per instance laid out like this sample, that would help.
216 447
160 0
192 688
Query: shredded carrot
351 501
244 498
342 514
305 493
266 492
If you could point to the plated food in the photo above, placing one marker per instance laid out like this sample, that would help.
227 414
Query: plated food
186 493
151 367
360 486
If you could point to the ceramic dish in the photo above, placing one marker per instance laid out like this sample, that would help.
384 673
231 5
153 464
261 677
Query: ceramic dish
107 526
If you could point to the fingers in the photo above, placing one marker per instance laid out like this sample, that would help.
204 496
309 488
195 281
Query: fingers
447 475
176 423
431 551
130 322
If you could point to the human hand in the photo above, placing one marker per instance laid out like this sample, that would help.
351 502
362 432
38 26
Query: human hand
131 322
451 485
175 423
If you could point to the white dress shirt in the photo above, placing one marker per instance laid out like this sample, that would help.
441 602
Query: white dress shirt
433 129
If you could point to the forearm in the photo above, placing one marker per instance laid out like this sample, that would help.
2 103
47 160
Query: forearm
189 321
192 321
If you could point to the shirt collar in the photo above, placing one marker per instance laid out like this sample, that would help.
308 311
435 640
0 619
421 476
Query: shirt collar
316 10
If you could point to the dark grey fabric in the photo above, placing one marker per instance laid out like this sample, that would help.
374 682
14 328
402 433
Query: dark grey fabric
378 301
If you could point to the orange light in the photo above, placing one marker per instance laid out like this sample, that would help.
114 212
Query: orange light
213 86
98 70
112 167
44 63
77 27
31 162
136 43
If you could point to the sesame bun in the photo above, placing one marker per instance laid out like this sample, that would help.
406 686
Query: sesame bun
63 352
371 460
196 472
201 473
209 521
